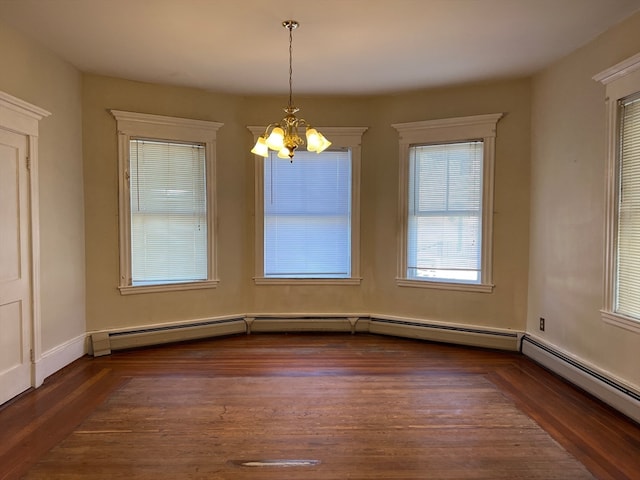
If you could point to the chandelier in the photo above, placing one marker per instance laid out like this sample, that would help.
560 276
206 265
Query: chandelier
283 137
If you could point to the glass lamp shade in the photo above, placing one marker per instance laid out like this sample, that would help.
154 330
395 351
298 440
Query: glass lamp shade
275 141
313 140
284 152
324 144
261 148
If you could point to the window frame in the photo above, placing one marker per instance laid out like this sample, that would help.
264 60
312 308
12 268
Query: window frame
131 126
449 130
621 81
341 137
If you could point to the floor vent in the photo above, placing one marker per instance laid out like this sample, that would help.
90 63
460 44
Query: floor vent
276 463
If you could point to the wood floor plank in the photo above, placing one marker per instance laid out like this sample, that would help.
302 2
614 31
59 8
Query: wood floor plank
597 440
363 406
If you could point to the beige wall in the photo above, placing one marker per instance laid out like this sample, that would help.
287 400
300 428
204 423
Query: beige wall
553 126
237 294
567 206
35 75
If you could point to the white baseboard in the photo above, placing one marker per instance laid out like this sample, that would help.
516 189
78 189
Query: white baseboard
58 357
600 384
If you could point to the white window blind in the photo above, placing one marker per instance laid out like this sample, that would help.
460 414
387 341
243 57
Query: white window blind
168 212
628 252
307 215
445 212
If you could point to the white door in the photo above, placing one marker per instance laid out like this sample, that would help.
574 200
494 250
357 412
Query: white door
15 276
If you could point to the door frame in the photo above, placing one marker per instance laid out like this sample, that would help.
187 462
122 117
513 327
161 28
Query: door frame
23 118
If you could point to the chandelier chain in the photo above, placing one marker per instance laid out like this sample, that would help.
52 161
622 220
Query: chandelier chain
290 28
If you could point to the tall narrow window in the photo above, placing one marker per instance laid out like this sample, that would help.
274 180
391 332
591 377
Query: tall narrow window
167 203
168 212
445 212
308 213
621 306
628 234
446 203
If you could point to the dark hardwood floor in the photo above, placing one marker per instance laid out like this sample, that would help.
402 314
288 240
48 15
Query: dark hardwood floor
350 406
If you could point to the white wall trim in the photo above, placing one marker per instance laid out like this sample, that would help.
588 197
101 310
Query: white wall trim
628 323
24 118
342 137
620 81
59 357
132 125
618 70
477 127
599 383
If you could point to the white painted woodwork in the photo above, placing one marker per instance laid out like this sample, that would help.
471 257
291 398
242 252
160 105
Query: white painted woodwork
15 276
341 137
158 127
20 342
441 131
620 81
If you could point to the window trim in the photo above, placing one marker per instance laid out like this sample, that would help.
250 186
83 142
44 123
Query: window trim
132 125
341 137
621 80
448 130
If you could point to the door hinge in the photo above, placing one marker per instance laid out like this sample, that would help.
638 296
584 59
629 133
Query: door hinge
32 356
28 162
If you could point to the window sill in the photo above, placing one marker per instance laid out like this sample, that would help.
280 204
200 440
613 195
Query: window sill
621 321
462 287
169 287
307 281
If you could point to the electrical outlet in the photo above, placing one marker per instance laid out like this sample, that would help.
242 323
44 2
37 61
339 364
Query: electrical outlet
541 324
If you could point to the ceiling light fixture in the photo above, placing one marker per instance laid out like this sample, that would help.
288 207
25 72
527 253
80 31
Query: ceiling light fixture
283 137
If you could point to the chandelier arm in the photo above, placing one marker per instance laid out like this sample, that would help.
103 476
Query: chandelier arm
303 123
271 126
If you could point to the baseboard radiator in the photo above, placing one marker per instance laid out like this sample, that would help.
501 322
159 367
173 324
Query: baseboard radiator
612 392
307 323
444 332
103 343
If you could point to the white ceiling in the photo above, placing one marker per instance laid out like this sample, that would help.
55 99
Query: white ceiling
341 47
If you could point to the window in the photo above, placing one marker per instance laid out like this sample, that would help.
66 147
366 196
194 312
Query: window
166 197
168 204
627 300
445 212
446 188
307 213
622 214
